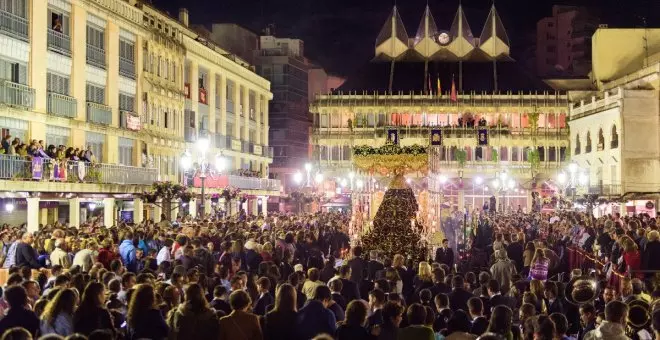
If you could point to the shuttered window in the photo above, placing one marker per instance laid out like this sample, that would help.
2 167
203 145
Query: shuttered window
13 71
126 151
57 83
126 102
95 142
95 36
58 21
126 49
95 94
16 7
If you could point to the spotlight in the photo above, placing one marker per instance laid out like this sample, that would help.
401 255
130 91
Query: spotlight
9 207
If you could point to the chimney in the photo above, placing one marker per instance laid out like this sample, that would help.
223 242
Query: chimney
183 16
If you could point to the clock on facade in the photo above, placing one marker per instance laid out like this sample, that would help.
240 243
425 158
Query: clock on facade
443 38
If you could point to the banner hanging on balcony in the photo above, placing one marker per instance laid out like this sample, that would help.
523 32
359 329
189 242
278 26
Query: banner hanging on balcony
482 136
436 137
393 136
82 170
37 168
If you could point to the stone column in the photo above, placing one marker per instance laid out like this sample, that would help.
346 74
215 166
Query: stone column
138 210
210 95
109 212
223 106
74 212
158 210
254 210
192 208
43 216
232 207
78 57
257 112
32 214
264 206
246 114
207 206
38 61
236 96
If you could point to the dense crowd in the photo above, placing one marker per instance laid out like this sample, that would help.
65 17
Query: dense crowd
37 149
297 277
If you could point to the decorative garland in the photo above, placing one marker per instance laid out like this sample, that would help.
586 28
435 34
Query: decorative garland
391 158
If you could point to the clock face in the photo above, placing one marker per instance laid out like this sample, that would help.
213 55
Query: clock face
443 38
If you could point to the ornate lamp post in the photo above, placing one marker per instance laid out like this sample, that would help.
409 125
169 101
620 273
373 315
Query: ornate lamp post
202 167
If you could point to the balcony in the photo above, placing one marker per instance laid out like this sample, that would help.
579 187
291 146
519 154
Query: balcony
18 168
14 25
99 113
95 56
241 182
61 105
267 151
246 147
18 95
605 190
222 141
59 42
126 68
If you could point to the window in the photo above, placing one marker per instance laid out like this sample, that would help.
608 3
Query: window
58 21
615 138
126 102
145 53
126 50
95 94
159 65
166 119
577 145
166 69
601 140
95 142
57 83
16 7
57 135
202 80
95 37
13 71
587 148
126 151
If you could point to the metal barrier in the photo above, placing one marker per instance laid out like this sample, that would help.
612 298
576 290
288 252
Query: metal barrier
15 94
99 113
14 167
61 105
95 56
14 25
59 42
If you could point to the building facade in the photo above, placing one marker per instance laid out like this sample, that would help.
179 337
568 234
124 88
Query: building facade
108 77
615 131
563 42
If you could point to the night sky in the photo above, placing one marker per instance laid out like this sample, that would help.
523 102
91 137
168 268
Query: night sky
340 34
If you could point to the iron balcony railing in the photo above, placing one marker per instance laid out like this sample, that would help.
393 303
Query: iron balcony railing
61 105
99 113
605 189
59 42
95 56
245 147
18 168
253 183
15 94
14 25
267 151
221 141
127 67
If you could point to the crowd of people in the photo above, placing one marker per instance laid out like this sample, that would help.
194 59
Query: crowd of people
38 149
289 276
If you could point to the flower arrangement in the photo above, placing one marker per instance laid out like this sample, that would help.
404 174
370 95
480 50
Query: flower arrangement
391 158
229 193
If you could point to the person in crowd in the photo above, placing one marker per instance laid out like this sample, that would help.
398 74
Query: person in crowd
240 324
59 256
376 303
336 287
588 319
194 319
25 253
19 314
444 312
85 257
503 269
424 277
144 319
614 325
561 326
479 322
313 281
444 254
458 297
349 289
57 317
353 327
458 327
92 313
315 317
554 303
358 266
392 313
539 266
281 322
127 250
416 329
374 265
265 298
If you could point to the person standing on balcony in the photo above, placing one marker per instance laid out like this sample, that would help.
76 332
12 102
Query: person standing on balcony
6 144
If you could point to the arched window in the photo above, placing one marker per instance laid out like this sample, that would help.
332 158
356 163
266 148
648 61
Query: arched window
615 138
587 148
577 145
601 140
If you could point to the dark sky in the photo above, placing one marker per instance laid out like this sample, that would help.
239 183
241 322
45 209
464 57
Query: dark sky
340 34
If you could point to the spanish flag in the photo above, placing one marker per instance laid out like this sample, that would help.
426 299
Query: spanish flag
439 87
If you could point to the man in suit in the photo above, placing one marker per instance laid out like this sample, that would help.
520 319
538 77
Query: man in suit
458 297
445 254
552 300
479 321
439 285
358 265
265 298
315 318
376 303
218 303
444 312
374 264
588 317
336 287
496 298
515 252
240 324
349 288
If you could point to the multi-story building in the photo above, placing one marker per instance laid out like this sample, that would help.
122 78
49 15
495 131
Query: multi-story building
108 76
563 42
615 130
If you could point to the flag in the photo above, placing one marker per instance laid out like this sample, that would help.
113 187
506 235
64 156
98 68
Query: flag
482 137
439 87
393 136
453 97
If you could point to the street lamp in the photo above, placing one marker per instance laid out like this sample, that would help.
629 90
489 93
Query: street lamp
318 178
308 168
297 177
203 168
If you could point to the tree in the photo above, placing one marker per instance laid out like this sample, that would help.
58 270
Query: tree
166 192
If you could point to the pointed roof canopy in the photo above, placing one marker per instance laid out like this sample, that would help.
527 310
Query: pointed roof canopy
392 41
494 40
